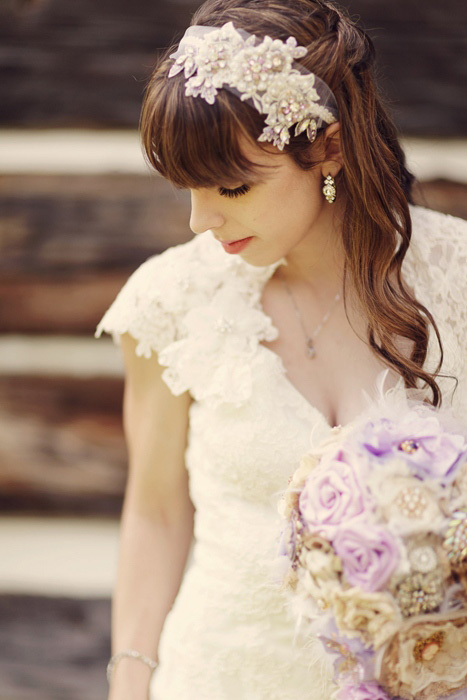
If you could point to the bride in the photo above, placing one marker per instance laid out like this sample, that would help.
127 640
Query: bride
310 274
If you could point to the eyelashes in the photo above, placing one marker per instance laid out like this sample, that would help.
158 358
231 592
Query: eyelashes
237 192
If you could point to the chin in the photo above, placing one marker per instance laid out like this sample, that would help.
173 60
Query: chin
260 260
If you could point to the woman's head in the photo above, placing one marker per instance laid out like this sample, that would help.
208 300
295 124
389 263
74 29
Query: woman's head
199 145
195 144
280 209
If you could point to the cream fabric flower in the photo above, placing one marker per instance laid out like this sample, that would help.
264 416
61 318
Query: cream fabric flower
373 617
409 505
427 658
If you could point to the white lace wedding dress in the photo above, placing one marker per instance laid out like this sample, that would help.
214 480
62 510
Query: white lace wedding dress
229 635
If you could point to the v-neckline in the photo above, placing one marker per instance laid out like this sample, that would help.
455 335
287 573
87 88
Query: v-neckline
265 273
312 407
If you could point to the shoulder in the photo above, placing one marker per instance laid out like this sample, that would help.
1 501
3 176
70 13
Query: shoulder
435 267
198 308
155 296
439 238
437 256
155 300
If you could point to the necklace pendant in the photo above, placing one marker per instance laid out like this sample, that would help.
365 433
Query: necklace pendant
310 351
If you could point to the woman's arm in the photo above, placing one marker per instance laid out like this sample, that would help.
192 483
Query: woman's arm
157 518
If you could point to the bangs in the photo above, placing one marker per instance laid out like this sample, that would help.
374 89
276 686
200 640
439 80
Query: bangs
192 143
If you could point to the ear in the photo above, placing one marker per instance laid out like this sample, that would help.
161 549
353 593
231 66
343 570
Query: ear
332 159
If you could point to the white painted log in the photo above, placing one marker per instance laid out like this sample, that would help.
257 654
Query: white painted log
80 152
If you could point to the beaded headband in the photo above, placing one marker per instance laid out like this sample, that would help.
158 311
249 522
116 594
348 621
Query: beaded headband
262 74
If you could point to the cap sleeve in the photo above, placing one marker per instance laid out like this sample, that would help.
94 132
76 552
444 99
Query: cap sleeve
148 306
437 272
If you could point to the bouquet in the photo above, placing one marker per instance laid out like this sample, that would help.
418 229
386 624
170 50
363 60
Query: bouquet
375 546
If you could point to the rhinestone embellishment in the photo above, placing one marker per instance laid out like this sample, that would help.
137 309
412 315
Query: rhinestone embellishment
420 593
263 73
347 663
409 446
455 542
411 502
223 325
329 189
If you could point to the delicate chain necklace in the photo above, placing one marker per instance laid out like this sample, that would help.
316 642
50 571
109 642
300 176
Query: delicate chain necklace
310 348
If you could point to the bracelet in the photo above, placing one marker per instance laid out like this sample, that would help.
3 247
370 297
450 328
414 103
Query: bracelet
132 653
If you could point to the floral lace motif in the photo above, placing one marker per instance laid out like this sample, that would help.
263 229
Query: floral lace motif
264 73
435 267
228 635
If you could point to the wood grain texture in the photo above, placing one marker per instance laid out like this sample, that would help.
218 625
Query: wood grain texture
53 648
442 195
86 64
52 224
61 445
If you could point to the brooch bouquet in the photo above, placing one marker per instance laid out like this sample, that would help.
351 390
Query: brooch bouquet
375 547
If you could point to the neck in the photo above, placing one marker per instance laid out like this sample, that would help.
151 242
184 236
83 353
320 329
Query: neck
317 262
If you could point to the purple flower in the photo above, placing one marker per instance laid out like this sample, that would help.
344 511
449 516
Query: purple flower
333 494
353 658
429 449
369 555
364 691
380 437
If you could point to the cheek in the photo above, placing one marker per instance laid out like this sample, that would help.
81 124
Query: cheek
302 185
286 207
299 201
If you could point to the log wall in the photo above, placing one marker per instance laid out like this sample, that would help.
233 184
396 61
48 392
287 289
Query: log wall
86 64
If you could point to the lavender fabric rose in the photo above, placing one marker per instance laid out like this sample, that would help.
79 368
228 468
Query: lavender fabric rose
364 691
428 448
333 494
369 555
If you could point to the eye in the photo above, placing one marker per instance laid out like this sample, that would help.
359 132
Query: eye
243 189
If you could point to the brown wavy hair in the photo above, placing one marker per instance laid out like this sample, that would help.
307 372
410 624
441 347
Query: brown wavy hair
194 144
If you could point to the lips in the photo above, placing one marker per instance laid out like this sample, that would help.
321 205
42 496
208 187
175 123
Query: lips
236 246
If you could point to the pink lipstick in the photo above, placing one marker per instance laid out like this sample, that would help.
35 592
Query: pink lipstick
236 246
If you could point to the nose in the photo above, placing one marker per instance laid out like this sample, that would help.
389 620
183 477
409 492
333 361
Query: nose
205 213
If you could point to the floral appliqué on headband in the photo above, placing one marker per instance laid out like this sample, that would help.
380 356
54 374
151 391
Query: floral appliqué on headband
263 73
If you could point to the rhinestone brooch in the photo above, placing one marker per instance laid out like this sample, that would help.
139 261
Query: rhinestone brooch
455 542
420 593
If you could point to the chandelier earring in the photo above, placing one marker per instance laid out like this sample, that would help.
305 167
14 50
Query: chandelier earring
329 189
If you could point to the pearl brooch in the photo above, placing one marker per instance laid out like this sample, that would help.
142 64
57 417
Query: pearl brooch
411 502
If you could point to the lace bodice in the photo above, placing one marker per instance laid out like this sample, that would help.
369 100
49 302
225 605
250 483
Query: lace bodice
229 635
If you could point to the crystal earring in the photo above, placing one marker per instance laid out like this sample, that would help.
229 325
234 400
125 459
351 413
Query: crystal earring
329 189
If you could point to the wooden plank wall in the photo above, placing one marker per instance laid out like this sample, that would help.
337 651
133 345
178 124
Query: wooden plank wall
70 244
53 648
84 63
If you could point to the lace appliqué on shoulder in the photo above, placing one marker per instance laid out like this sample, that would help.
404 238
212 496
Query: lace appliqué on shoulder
440 259
435 267
220 338
199 310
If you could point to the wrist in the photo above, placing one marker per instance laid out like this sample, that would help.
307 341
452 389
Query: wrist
130 655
